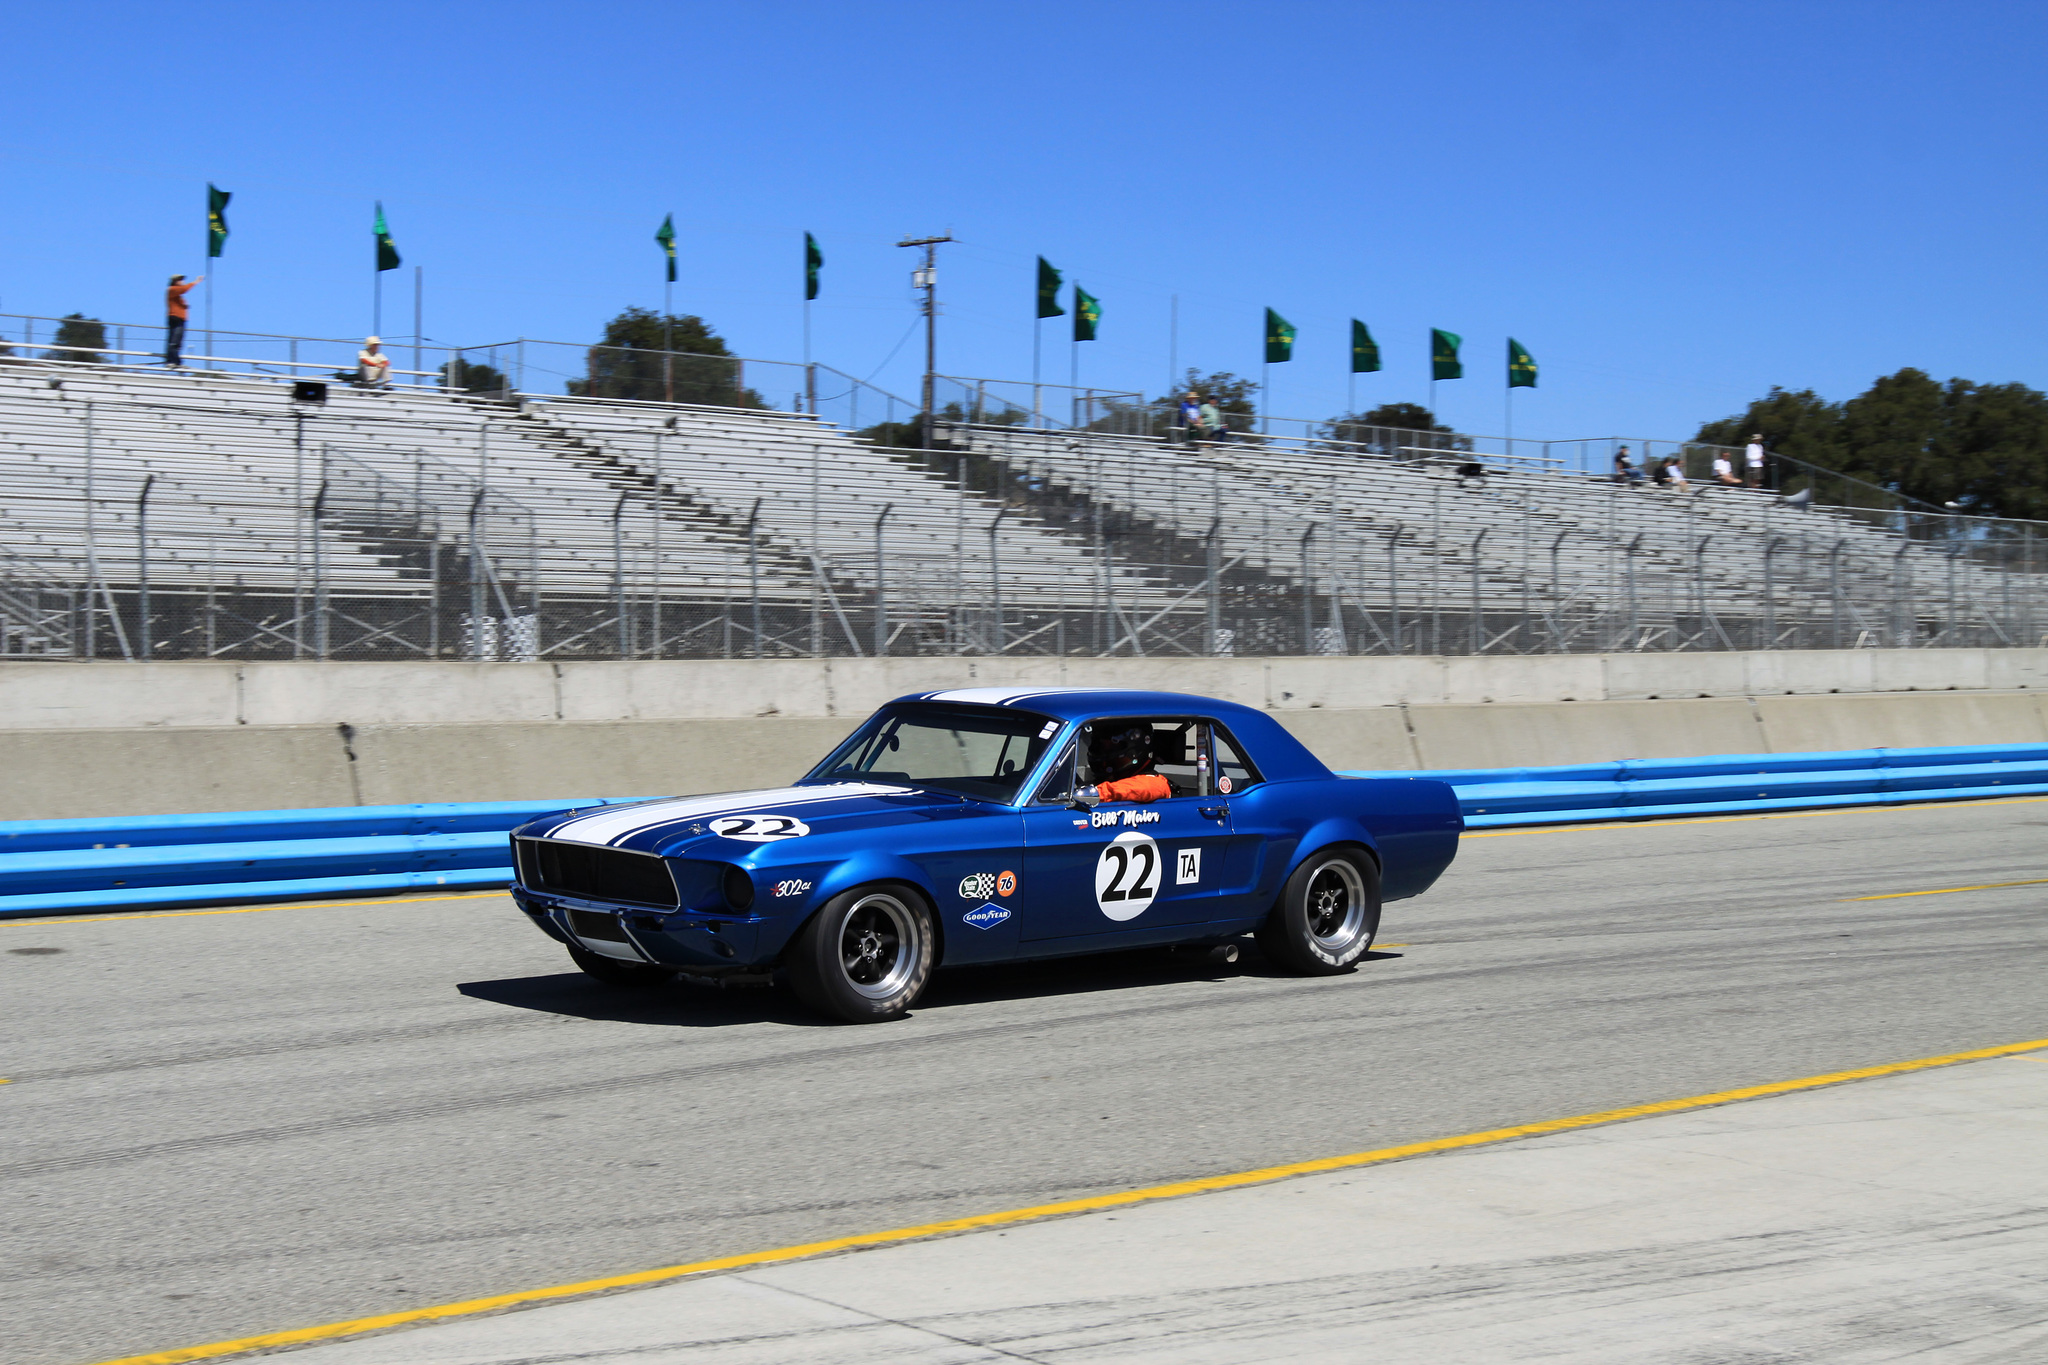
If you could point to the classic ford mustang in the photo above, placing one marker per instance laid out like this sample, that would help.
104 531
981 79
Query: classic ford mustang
992 825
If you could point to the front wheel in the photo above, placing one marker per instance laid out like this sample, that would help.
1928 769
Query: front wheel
614 972
865 956
1327 915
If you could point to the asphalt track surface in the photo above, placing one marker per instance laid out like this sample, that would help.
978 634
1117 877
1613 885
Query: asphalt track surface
224 1124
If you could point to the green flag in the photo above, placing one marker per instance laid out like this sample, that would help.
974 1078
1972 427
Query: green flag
387 252
1443 355
813 260
1279 338
1521 366
1365 352
1087 313
216 220
666 235
1049 291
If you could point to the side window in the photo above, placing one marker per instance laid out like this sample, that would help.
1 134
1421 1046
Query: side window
1176 754
1058 787
1175 748
1234 772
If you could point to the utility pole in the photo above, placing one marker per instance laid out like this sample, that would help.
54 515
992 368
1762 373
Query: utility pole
927 279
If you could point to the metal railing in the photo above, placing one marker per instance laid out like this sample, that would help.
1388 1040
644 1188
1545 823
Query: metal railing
232 523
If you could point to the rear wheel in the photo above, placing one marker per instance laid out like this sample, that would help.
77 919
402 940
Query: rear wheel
1327 915
864 957
613 972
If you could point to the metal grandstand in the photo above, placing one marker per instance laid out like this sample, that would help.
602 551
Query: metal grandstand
206 512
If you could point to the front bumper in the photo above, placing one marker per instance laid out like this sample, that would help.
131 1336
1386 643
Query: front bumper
685 940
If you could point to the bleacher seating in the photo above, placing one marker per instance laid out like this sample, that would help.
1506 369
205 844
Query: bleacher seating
562 494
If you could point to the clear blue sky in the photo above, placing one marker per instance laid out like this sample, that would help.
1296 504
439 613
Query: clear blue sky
1672 205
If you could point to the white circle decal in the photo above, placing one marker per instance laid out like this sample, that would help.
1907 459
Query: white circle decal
1127 876
759 829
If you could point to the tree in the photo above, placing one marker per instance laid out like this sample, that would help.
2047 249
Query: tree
1802 425
87 335
629 363
1982 447
1390 427
460 374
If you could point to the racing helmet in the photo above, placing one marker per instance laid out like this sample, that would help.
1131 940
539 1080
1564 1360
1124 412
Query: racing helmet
1117 751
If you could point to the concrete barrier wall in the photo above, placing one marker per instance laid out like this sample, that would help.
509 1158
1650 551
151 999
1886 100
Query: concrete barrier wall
117 695
144 739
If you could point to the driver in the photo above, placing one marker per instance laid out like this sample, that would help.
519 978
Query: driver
1121 760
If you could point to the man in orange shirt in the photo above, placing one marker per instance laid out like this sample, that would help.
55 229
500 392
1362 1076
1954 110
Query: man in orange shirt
1121 762
176 311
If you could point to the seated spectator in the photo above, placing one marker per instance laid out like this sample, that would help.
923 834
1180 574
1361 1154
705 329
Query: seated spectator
1724 471
1660 473
373 367
1121 762
1674 474
1625 470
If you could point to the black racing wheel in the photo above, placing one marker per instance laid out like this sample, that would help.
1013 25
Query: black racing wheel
864 957
1327 914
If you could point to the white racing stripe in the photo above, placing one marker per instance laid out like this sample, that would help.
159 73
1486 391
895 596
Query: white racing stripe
614 826
997 696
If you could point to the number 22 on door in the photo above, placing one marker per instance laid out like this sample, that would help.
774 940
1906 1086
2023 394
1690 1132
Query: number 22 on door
1127 876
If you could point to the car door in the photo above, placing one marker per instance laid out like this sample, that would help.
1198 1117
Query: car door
1126 867
1253 827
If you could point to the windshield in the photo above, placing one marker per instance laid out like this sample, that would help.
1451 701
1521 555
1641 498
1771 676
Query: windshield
977 751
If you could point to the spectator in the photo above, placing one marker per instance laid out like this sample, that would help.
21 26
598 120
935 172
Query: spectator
1190 418
1724 471
1624 468
176 310
1213 426
373 367
1674 474
1660 473
1753 457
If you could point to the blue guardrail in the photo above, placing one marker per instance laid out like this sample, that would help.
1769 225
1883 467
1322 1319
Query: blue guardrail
1729 784
51 867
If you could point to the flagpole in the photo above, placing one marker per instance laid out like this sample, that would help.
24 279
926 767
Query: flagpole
668 346
208 259
1037 332
811 397
1074 375
1265 396
1173 356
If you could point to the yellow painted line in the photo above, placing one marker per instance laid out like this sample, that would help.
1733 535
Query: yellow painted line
1739 819
361 901
1944 890
1010 1217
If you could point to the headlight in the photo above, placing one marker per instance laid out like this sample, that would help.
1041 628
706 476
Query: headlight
738 888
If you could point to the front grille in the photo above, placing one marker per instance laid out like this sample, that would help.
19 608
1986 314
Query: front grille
603 874
591 924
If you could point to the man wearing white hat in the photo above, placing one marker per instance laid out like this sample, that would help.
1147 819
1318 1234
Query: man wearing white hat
373 367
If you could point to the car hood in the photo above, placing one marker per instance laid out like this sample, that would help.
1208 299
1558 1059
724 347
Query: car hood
739 823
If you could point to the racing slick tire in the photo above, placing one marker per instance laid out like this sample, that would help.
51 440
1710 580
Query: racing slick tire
1327 913
864 957
613 972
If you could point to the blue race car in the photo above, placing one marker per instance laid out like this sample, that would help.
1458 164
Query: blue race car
992 825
